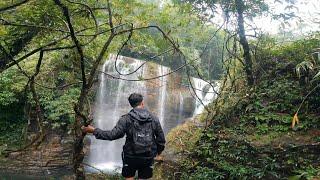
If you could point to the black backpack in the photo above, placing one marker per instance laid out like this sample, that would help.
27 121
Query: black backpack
143 137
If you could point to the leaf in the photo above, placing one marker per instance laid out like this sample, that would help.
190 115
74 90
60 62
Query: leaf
295 120
249 108
317 75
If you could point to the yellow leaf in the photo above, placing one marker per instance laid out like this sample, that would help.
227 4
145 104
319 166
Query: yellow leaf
295 120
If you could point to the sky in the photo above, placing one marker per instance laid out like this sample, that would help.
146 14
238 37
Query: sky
308 10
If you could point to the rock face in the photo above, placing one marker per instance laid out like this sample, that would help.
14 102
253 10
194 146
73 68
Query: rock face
169 96
53 157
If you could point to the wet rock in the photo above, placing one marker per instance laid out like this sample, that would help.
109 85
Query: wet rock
52 157
55 140
14 155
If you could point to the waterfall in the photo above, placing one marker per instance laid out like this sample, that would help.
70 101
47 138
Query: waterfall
111 103
180 107
162 92
198 85
205 92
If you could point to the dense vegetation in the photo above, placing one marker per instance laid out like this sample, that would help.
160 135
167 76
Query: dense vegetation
252 135
59 81
50 52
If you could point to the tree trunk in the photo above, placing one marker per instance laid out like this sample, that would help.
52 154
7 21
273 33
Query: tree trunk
78 153
244 43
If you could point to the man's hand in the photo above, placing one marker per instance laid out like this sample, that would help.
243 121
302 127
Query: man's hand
88 129
159 158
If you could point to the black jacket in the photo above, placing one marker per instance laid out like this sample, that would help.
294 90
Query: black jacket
123 127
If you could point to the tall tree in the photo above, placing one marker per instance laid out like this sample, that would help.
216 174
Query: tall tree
239 10
239 4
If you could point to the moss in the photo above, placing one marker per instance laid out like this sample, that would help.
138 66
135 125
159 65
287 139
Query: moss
183 138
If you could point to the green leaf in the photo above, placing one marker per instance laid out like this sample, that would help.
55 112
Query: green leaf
317 75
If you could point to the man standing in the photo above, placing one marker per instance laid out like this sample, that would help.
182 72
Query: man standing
144 138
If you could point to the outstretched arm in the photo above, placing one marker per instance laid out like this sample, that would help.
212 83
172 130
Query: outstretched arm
117 132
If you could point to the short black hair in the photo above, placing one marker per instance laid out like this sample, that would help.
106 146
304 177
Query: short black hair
135 99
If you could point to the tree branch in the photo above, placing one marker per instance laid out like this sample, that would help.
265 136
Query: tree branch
110 16
65 11
7 23
13 6
90 10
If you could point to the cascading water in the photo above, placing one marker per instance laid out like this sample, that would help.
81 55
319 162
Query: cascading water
180 107
111 103
162 70
205 92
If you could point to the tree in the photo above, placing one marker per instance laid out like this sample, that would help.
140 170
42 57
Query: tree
233 10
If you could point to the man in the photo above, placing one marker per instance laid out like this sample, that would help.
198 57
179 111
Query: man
144 138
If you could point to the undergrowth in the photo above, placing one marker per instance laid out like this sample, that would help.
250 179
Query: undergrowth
251 135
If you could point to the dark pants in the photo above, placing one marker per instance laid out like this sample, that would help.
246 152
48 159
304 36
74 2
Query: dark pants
143 165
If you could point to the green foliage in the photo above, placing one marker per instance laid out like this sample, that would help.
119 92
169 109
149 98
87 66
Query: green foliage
308 173
247 127
12 135
203 173
37 23
280 92
12 85
299 50
11 108
12 126
231 158
59 107
183 138
221 153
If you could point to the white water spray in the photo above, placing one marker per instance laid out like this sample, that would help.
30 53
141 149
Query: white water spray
111 104
162 70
